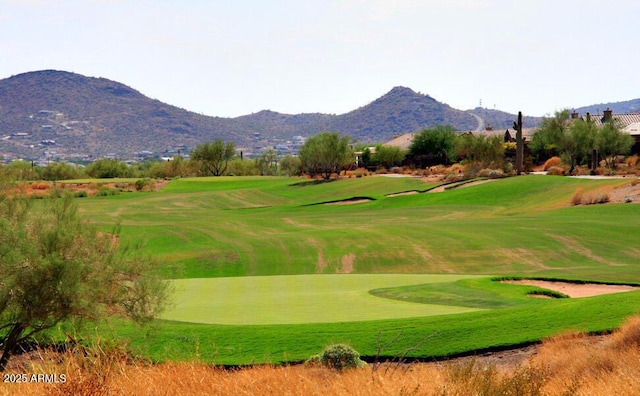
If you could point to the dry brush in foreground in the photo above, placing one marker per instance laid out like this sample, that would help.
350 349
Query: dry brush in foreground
571 363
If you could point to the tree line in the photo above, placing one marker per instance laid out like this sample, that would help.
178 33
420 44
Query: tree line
329 153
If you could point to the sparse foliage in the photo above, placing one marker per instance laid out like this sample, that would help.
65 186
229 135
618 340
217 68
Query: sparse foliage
213 157
267 163
612 141
481 150
57 267
177 167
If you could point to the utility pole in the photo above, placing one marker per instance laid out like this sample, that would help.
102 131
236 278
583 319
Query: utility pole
517 125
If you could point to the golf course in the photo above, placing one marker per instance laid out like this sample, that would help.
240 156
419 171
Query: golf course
265 270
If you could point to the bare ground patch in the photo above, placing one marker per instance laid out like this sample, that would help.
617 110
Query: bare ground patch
628 193
576 290
347 262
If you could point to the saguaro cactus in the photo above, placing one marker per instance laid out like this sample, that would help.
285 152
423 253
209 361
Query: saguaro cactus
517 125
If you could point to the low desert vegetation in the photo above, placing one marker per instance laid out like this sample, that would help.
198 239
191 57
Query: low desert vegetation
569 363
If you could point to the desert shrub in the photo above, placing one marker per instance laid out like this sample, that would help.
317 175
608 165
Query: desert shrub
491 173
473 378
360 172
552 162
240 167
629 334
579 197
81 194
107 191
576 198
142 183
40 185
338 357
556 171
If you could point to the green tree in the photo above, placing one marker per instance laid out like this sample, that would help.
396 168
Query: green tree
267 162
213 157
482 150
242 167
290 166
547 139
21 170
176 167
577 142
388 156
56 267
612 141
325 154
437 143
61 171
108 168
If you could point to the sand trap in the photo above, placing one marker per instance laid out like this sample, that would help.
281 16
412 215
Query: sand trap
575 290
350 201
402 193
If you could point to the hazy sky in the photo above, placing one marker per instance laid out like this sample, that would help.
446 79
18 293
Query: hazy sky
234 57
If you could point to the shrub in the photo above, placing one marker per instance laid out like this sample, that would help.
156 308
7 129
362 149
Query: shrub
552 162
491 173
40 185
142 183
81 194
338 357
581 198
576 198
556 171
104 192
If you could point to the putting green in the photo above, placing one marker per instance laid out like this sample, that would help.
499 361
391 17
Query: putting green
299 299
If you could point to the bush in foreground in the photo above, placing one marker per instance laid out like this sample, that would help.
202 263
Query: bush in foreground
338 357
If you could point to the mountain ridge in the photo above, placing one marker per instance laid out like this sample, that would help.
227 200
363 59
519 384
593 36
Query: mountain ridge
55 113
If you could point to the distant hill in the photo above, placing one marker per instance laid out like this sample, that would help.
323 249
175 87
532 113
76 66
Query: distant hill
57 114
94 116
628 106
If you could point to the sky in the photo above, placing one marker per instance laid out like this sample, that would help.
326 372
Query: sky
230 58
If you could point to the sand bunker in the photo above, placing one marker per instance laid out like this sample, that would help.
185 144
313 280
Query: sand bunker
576 290
350 201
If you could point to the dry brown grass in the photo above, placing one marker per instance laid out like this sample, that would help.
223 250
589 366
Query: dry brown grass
552 162
580 197
569 364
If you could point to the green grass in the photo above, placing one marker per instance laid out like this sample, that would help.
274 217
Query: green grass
434 336
303 299
240 227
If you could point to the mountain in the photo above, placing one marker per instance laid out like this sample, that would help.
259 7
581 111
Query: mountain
57 114
94 116
628 106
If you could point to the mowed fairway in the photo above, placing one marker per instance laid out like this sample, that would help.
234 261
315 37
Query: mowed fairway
300 299
265 272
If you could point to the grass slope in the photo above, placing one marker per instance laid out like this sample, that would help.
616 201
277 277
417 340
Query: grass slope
522 226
